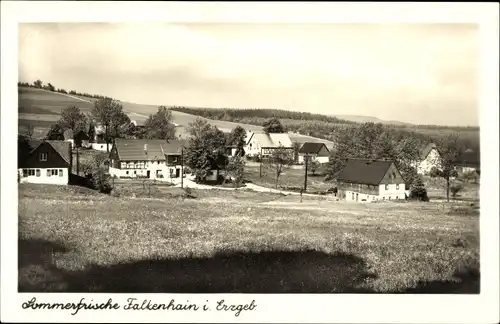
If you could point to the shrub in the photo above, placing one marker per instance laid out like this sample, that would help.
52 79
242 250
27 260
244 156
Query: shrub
435 172
418 191
455 188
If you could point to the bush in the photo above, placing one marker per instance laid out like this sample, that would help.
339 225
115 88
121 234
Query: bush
435 172
455 188
418 191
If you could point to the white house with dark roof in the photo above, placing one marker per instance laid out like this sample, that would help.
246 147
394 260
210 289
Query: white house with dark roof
364 180
152 159
315 151
43 161
429 158
264 144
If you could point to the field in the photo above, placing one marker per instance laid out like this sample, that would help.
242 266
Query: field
74 239
292 178
41 108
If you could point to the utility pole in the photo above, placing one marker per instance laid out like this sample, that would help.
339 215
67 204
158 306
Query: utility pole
260 170
77 159
306 159
182 166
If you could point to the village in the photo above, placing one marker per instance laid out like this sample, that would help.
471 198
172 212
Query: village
204 164
57 161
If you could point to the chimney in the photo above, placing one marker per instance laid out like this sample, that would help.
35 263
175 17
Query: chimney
146 149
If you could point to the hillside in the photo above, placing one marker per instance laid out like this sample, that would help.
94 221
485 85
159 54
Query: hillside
41 108
370 119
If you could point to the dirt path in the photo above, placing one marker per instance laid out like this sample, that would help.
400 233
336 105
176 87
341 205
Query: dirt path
73 97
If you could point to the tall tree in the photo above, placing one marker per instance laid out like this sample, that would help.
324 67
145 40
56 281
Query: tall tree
448 148
50 87
55 133
72 118
238 137
205 150
273 125
91 129
38 84
159 125
236 169
281 159
109 113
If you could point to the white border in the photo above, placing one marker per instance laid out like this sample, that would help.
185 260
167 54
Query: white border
481 308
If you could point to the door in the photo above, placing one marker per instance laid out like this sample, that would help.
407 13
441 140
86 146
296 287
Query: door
177 172
356 197
148 174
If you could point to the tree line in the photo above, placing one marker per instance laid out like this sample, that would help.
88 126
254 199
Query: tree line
38 84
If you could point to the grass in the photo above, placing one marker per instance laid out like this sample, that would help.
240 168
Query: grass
74 239
436 189
291 178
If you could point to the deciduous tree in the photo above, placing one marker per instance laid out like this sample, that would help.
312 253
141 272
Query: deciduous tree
281 159
159 125
273 125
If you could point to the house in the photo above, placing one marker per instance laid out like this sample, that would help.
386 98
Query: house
80 138
264 144
429 158
316 151
44 161
152 159
468 161
370 180
101 146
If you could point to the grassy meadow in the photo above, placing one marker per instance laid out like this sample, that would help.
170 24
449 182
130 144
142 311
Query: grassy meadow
290 179
75 239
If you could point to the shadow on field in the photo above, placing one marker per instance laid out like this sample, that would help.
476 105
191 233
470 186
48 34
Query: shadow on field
37 271
232 272
236 272
466 282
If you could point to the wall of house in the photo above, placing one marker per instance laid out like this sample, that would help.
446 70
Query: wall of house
392 186
101 146
433 159
45 176
158 170
253 147
320 159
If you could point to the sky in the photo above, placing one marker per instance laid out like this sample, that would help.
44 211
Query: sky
417 73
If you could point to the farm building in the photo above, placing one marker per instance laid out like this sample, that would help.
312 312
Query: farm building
468 161
264 144
315 151
429 158
80 139
370 180
153 159
44 161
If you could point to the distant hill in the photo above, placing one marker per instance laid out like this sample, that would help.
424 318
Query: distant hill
368 119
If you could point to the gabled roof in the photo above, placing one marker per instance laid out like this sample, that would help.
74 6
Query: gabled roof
312 148
362 171
272 140
27 146
144 149
425 150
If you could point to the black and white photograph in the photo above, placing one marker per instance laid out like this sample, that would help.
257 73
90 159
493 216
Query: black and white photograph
235 157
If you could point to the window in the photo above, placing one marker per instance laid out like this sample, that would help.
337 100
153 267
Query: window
135 172
54 172
37 172
49 173
25 173
43 156
397 187
397 197
31 172
389 197
60 172
386 187
126 172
